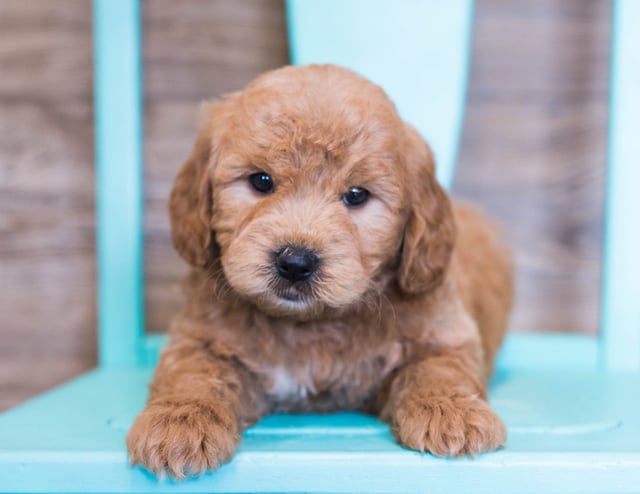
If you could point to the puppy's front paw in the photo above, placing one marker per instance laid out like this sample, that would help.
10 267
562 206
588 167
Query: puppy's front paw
182 439
448 426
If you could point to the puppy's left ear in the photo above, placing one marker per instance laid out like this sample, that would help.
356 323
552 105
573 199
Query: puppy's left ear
191 201
430 230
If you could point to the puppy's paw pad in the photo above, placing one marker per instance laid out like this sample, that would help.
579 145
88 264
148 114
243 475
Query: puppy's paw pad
449 426
181 440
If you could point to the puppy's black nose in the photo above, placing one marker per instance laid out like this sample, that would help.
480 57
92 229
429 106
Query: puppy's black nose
296 263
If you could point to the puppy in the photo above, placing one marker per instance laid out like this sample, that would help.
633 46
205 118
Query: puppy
330 272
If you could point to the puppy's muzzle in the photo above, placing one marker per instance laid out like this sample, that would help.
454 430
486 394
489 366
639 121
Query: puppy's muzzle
296 264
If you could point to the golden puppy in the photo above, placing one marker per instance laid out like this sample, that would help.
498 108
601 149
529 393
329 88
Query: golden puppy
330 272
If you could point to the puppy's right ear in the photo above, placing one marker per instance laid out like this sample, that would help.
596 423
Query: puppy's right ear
430 231
191 200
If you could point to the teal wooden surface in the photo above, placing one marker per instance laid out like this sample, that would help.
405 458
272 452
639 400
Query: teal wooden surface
118 116
571 431
417 50
560 353
621 270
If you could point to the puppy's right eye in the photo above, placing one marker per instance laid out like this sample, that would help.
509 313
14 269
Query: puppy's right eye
262 182
356 196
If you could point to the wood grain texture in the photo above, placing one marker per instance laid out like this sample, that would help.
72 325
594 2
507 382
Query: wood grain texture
533 151
532 154
47 265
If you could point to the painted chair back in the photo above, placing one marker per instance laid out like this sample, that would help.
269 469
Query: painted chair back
620 308
119 192
418 52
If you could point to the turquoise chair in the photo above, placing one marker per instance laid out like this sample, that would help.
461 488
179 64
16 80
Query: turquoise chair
571 403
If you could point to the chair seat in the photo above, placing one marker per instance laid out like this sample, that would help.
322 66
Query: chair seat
569 431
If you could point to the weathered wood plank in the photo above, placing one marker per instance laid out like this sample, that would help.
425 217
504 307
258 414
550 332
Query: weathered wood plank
47 266
534 149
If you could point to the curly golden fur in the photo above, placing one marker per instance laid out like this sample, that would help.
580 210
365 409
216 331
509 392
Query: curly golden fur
401 319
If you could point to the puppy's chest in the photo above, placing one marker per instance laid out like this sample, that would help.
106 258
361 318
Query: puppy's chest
283 383
327 384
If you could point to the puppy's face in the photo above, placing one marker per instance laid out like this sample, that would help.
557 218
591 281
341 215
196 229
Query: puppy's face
303 188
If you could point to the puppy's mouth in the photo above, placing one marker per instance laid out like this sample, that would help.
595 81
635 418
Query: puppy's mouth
291 296
298 293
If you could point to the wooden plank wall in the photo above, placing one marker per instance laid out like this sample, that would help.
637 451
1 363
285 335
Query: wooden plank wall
534 149
47 266
532 154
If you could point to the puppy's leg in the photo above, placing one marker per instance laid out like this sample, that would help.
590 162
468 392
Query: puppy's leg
200 402
438 403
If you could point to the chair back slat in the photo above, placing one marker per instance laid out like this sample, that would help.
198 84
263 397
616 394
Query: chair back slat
118 109
620 313
417 50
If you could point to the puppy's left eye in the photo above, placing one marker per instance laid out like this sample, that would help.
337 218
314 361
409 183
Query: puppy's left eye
262 182
356 196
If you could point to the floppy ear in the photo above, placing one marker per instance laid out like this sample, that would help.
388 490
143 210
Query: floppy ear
191 200
430 230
